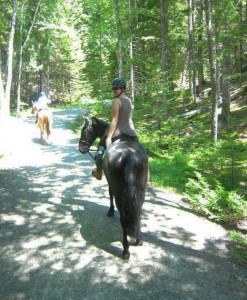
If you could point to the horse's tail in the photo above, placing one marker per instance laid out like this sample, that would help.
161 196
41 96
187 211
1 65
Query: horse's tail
48 129
48 124
131 196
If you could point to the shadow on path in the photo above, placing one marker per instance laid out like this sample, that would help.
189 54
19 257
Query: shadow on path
56 241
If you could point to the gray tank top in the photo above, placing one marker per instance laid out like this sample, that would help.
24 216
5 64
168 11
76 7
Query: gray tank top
125 123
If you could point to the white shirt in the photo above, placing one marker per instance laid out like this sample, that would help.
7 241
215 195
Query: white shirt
43 102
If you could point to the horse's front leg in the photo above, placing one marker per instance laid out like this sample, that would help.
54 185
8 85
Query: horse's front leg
49 130
111 209
126 253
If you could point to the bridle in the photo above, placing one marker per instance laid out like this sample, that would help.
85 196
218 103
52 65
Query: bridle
90 149
89 124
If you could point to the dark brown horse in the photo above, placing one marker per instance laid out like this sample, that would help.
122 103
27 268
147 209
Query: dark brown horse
44 122
125 165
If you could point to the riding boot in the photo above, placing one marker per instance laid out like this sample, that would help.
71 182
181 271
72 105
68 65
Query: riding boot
36 120
97 173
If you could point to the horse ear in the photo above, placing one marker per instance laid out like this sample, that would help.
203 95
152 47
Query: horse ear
87 121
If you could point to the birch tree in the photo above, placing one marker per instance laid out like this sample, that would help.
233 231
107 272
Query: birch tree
5 98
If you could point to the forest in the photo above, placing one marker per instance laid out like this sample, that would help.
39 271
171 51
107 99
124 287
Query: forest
185 63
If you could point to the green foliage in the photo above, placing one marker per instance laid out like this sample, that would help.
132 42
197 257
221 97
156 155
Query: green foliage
223 161
170 171
76 125
13 113
217 203
238 249
239 237
5 18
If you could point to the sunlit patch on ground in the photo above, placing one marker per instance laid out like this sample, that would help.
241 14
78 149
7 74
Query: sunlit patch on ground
16 219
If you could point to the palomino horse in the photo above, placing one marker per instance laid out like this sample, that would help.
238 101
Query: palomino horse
125 165
44 121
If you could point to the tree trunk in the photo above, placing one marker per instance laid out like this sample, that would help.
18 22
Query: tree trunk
132 91
20 63
199 48
2 94
212 63
164 48
192 78
225 76
6 103
120 40
241 51
101 61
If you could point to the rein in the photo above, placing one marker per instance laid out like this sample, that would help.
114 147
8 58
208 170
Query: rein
93 150
91 154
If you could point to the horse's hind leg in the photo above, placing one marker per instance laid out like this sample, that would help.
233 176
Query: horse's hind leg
111 209
42 140
42 137
139 241
126 253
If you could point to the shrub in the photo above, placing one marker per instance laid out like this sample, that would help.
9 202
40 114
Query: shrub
218 204
222 162
170 171
238 248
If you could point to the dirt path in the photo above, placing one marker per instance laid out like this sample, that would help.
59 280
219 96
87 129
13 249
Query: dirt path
57 243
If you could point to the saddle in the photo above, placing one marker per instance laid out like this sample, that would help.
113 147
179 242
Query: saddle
123 137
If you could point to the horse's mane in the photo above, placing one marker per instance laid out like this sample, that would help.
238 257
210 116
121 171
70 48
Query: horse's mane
100 122
101 125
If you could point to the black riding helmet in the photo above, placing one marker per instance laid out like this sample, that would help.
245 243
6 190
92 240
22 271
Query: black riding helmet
119 83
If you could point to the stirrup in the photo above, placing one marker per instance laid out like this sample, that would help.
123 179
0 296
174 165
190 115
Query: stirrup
97 173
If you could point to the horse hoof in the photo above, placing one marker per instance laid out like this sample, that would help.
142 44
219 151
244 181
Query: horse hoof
110 213
126 255
138 243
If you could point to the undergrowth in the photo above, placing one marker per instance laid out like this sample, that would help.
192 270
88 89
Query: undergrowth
179 150
238 249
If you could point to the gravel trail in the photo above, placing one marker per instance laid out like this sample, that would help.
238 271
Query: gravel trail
56 241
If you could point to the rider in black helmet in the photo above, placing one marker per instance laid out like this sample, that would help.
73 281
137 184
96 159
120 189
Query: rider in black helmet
119 83
121 126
